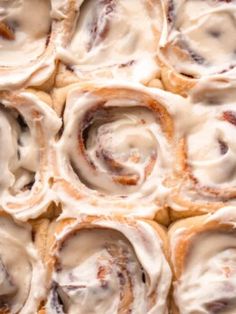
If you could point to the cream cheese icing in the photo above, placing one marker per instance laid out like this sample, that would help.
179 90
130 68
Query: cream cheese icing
208 170
226 214
112 257
214 164
124 160
114 39
208 283
210 259
27 42
22 284
29 21
122 156
26 123
199 39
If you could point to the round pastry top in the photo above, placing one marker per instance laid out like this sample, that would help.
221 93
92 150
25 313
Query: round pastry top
22 275
119 265
115 39
200 37
24 29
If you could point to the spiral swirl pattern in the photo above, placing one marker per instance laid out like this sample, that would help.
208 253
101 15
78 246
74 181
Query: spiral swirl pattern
96 27
27 45
203 251
27 129
123 138
205 172
119 267
199 38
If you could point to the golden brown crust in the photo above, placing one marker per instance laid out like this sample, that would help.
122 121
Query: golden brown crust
156 83
175 82
162 216
6 31
42 95
50 82
59 98
40 233
65 76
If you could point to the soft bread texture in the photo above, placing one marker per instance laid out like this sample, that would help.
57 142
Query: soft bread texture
175 82
65 231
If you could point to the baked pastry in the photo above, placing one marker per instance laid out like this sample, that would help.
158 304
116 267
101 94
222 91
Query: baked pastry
203 257
197 42
115 151
27 43
108 265
205 172
27 129
22 274
110 39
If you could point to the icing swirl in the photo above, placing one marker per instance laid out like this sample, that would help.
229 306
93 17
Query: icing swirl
206 169
22 284
27 39
119 267
104 24
27 128
198 40
123 137
209 257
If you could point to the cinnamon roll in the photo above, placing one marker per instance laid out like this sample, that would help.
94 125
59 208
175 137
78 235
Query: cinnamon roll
110 39
205 172
115 151
27 42
203 253
22 274
105 265
27 129
198 41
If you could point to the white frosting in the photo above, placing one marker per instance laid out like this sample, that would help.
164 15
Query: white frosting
22 275
107 169
27 55
225 214
126 157
27 129
208 283
115 39
30 30
110 260
199 39
208 127
211 148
